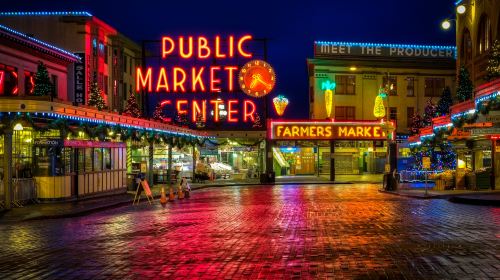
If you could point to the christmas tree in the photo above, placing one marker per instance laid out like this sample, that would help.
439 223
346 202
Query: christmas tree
182 120
95 98
429 113
416 124
158 113
132 108
200 121
257 123
493 68
443 106
465 87
43 85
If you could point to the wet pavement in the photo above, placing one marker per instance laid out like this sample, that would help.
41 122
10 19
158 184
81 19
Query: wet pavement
267 232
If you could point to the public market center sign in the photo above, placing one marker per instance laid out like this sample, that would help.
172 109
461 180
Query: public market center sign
194 67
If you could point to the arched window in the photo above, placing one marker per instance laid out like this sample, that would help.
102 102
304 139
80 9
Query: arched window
466 47
484 35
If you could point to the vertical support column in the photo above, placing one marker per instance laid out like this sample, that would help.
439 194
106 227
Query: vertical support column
7 163
169 170
269 156
194 161
150 164
332 160
129 156
317 159
493 165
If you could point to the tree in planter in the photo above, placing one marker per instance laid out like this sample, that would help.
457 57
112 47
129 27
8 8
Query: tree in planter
132 108
443 106
465 87
43 85
95 98
429 113
416 124
493 68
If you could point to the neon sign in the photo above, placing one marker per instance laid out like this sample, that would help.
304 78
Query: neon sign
313 130
205 66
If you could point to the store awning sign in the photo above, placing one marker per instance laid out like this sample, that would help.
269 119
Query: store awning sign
485 131
314 130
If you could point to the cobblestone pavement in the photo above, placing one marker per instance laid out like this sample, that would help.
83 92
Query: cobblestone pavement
268 232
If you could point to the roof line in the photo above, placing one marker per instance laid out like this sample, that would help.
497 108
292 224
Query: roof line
32 40
382 45
47 13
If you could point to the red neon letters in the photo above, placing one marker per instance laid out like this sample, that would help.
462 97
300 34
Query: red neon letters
185 47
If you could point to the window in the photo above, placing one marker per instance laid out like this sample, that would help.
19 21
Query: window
8 81
29 82
392 82
106 54
94 47
125 64
125 95
410 112
434 87
466 48
107 158
484 34
393 113
98 159
345 113
131 66
105 88
410 86
346 85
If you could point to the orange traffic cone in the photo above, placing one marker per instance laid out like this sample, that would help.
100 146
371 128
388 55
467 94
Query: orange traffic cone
163 197
180 193
171 196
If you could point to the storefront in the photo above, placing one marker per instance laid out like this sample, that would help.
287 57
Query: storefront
329 147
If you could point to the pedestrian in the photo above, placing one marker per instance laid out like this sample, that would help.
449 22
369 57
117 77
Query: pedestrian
185 187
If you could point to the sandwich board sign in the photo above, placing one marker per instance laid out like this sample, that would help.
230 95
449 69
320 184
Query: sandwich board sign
143 185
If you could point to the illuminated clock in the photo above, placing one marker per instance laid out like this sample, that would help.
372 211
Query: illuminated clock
257 78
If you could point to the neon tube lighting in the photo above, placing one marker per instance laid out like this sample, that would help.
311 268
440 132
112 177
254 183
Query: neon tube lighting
46 13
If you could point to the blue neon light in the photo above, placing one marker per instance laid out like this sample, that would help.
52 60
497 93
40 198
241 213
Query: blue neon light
458 2
385 45
487 97
62 13
24 36
461 114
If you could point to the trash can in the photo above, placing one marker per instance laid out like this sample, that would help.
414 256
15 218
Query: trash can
263 178
389 182
131 182
271 177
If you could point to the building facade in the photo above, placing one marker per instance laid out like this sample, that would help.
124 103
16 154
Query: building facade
476 30
108 57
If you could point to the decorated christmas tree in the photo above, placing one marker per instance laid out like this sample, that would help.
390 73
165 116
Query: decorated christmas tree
443 106
132 108
257 123
429 113
416 124
43 85
158 113
493 68
95 98
182 120
465 87
200 121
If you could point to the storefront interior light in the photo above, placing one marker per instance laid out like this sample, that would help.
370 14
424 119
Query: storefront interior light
353 68
18 127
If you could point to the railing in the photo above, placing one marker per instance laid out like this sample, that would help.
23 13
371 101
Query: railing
416 175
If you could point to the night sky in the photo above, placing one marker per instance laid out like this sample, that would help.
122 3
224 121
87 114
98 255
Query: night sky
290 26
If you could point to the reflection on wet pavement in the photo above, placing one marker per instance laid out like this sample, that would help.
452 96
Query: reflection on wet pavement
268 232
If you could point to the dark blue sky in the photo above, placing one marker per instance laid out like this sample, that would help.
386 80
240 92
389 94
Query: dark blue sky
290 26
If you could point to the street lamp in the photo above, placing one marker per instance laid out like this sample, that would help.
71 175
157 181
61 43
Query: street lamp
461 9
446 24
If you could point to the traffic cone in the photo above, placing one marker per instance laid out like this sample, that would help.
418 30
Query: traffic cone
163 197
180 193
171 196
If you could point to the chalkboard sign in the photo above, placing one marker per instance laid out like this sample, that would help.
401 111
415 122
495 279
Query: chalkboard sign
143 185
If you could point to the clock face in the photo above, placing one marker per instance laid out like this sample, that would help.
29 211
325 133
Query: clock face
257 78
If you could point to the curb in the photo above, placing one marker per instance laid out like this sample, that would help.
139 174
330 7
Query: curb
410 195
472 201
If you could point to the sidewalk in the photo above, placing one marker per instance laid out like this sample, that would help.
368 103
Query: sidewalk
476 197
